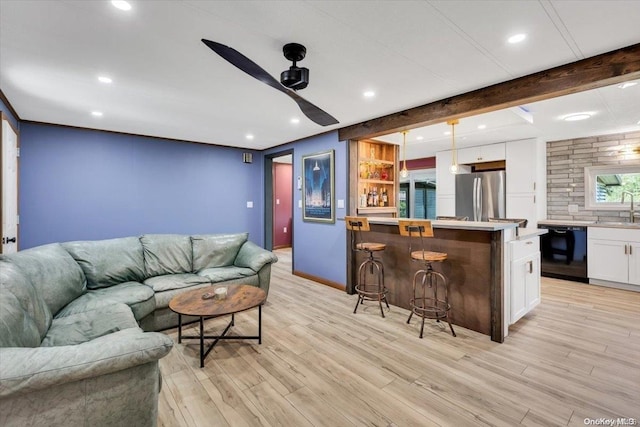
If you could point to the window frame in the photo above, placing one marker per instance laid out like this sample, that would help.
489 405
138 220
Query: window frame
590 174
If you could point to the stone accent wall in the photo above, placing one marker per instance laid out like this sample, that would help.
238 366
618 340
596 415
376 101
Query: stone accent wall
566 161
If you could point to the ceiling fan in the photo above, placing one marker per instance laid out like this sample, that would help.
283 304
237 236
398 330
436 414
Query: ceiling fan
294 78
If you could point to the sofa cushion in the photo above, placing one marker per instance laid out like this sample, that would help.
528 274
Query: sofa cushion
139 297
254 257
53 272
17 328
86 326
109 262
167 254
222 274
216 250
175 281
15 281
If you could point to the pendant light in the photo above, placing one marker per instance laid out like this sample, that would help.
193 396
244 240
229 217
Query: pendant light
454 152
404 172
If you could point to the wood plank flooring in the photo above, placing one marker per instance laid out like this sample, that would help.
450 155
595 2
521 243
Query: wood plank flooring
576 356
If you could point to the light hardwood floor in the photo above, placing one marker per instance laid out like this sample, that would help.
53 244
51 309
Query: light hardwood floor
576 356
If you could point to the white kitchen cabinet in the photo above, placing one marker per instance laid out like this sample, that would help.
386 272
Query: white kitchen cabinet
526 180
525 277
614 255
445 180
445 204
482 153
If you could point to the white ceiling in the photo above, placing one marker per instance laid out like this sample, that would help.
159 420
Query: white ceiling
167 83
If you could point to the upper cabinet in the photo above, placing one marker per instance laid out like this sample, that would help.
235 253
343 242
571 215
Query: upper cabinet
526 180
482 153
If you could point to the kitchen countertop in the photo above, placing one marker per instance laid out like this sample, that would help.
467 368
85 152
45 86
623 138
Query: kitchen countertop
460 225
603 224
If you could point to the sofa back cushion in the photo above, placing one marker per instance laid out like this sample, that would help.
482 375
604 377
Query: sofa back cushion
52 271
13 280
109 262
17 328
167 254
216 250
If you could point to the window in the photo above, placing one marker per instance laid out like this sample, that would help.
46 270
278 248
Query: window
605 185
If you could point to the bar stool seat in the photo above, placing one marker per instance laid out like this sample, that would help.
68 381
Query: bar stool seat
429 298
373 290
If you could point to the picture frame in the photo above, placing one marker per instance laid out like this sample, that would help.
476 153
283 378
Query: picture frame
318 185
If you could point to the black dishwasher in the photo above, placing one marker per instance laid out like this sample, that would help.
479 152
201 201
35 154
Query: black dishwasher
564 252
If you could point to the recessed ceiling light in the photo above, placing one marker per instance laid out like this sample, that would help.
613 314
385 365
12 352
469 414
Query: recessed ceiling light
627 84
482 127
369 94
295 120
104 79
419 138
249 136
96 113
517 38
447 133
577 117
121 4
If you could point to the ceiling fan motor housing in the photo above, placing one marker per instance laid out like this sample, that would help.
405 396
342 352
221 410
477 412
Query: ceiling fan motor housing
295 77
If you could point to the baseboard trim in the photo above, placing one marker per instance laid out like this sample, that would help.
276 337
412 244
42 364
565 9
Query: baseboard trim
281 247
320 280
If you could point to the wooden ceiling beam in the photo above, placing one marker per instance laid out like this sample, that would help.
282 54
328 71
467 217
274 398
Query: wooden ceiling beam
597 71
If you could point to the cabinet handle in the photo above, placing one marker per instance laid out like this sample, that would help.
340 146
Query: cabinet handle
625 249
530 267
534 186
529 243
630 250
534 199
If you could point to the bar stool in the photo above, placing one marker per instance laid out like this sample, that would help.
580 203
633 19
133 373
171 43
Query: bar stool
375 291
429 298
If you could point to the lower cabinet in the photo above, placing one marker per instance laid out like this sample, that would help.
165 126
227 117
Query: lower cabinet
525 277
614 255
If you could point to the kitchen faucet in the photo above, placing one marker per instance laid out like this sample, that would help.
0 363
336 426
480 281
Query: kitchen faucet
632 213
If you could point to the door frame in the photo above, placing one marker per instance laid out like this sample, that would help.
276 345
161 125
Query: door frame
269 197
4 117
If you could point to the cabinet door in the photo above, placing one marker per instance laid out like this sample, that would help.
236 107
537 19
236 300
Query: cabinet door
532 284
519 273
492 152
445 204
521 166
607 260
522 205
469 155
445 180
634 263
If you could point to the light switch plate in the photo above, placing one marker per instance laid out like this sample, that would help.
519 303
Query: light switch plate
249 204
340 204
300 204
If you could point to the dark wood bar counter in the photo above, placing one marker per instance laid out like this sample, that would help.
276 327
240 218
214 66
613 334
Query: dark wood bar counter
475 268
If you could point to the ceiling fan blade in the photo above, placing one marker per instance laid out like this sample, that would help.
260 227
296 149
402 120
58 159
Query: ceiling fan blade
243 63
316 114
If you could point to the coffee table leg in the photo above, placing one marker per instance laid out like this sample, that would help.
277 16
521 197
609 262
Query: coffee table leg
233 319
202 342
260 324
179 328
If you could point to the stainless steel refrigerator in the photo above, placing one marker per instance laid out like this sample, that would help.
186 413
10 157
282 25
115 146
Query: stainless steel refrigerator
480 195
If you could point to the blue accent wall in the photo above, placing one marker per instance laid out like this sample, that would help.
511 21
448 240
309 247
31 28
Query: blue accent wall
319 249
80 184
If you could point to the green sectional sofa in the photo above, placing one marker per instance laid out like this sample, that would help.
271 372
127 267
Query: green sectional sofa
78 322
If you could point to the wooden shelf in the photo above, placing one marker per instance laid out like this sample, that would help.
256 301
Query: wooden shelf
377 162
376 181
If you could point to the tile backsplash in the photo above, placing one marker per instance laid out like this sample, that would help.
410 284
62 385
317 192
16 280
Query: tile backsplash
566 161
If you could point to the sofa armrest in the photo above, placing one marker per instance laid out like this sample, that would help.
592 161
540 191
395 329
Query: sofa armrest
254 257
23 370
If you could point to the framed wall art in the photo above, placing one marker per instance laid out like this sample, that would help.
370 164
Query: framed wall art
318 187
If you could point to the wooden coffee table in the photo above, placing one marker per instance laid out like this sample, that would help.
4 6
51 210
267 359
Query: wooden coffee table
239 298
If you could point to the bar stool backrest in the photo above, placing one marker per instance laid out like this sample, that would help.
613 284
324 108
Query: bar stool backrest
418 228
357 224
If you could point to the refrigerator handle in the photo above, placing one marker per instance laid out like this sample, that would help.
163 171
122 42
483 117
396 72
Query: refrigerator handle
475 198
479 214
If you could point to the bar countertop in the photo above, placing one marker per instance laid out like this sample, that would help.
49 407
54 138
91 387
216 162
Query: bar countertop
456 225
